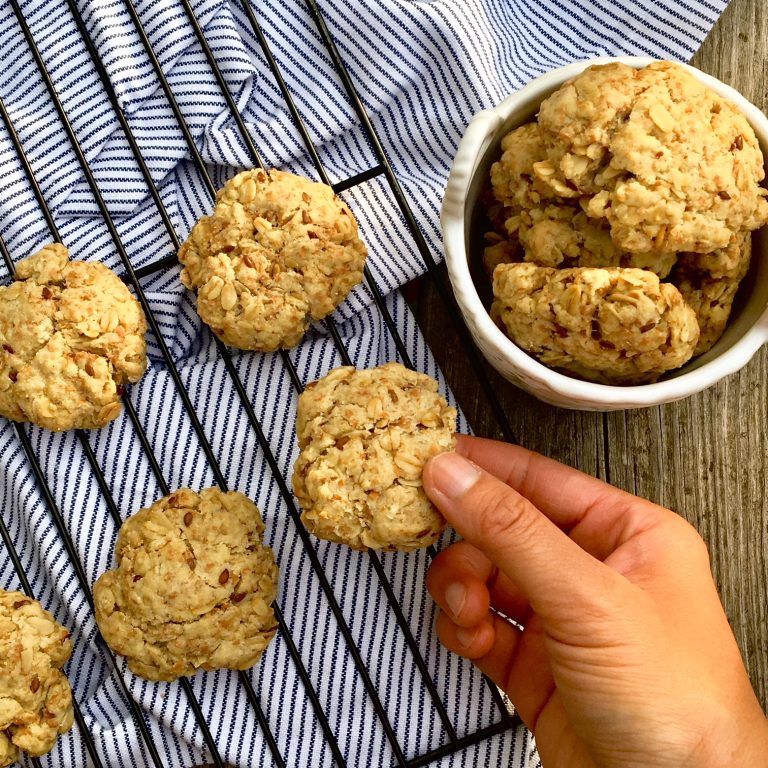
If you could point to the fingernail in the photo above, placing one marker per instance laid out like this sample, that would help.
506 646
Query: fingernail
453 475
455 597
465 636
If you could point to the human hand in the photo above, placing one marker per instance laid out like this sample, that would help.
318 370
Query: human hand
622 654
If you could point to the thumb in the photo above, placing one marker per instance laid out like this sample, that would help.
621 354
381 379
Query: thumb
557 578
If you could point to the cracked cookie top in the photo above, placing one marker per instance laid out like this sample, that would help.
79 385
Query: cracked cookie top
35 697
277 251
667 161
192 588
364 438
71 336
616 326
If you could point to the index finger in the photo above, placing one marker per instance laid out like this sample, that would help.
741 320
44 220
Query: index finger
596 515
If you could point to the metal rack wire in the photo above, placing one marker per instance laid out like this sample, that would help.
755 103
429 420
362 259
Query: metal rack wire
132 277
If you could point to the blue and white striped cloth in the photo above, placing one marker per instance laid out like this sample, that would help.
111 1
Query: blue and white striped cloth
422 69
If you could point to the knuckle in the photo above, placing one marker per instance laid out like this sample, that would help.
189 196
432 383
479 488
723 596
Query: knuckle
436 572
690 541
504 514
446 560
432 577
698 546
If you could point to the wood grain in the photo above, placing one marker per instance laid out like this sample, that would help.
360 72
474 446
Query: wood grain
705 457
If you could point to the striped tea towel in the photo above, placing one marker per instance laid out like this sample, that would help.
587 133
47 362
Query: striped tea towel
422 70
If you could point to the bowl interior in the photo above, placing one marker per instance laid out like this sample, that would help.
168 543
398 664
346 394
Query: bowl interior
752 297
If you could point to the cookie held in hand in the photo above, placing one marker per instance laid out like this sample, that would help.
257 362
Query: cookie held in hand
193 586
365 437
278 251
71 337
35 697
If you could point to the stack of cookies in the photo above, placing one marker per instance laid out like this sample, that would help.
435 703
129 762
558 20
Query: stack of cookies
622 222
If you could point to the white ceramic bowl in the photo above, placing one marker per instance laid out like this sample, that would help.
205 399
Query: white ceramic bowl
461 213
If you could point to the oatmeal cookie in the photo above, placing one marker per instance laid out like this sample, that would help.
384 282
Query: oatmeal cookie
193 586
35 697
564 236
617 326
577 124
71 337
709 282
513 181
365 437
544 216
277 251
499 251
667 161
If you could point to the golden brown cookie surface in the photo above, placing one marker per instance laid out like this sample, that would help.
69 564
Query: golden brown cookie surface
617 326
192 588
667 161
71 336
365 437
564 236
709 282
277 251
35 697
545 216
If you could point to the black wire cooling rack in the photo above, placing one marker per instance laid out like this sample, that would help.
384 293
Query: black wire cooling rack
131 276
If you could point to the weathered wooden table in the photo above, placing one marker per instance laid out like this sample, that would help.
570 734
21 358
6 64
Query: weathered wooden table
705 457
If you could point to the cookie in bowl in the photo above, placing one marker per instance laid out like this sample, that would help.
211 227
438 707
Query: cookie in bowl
615 326
667 161
615 164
